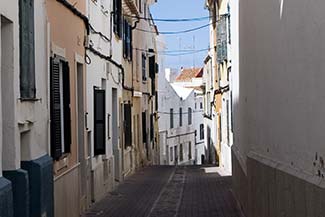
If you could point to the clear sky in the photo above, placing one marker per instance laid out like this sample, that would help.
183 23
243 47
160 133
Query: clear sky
175 9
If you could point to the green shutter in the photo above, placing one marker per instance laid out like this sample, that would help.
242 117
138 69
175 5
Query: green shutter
27 51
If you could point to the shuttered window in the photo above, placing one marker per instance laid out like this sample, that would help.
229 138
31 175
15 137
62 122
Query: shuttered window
144 67
144 127
201 131
117 17
127 41
222 39
60 108
180 117
99 122
66 106
127 125
181 152
152 71
156 101
152 64
171 118
151 127
189 150
27 49
189 116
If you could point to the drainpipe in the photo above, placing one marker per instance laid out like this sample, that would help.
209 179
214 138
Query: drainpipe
108 58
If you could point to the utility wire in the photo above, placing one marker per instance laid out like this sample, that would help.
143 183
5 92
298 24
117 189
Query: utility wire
170 20
175 52
176 32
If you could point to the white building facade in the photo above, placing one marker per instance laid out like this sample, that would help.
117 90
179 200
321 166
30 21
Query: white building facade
104 87
278 152
26 176
180 118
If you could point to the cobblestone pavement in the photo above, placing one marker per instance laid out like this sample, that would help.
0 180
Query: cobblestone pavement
190 191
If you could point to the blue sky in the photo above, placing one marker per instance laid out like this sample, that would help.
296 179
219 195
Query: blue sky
174 9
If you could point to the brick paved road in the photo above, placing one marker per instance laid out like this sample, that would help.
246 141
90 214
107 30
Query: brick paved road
169 192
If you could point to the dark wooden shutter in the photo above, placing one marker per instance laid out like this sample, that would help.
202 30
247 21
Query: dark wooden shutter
156 101
144 67
55 110
125 32
152 127
152 71
117 17
127 125
66 106
27 52
99 122
144 127
127 40
130 43
152 64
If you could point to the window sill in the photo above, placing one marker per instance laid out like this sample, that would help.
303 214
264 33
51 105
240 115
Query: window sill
30 99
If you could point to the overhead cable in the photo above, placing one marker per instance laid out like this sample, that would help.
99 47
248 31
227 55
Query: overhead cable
170 20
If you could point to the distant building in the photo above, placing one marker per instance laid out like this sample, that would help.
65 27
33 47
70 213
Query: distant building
180 117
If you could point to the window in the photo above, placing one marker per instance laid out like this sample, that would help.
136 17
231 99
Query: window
144 67
140 6
27 41
145 9
201 105
117 17
60 107
208 111
180 117
127 41
201 131
189 150
156 101
189 116
171 153
171 118
152 71
195 106
151 128
144 127
222 39
127 125
181 152
99 121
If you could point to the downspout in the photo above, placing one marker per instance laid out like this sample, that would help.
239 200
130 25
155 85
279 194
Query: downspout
90 48
133 28
108 58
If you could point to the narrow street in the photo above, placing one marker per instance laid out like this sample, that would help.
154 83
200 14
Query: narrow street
189 191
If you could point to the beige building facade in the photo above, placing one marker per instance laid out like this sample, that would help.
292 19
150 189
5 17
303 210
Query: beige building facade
220 53
67 96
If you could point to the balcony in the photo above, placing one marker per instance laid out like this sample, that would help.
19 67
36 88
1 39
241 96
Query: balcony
130 8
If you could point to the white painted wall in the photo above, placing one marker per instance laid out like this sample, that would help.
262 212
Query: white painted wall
25 123
279 104
37 143
169 98
101 73
210 115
